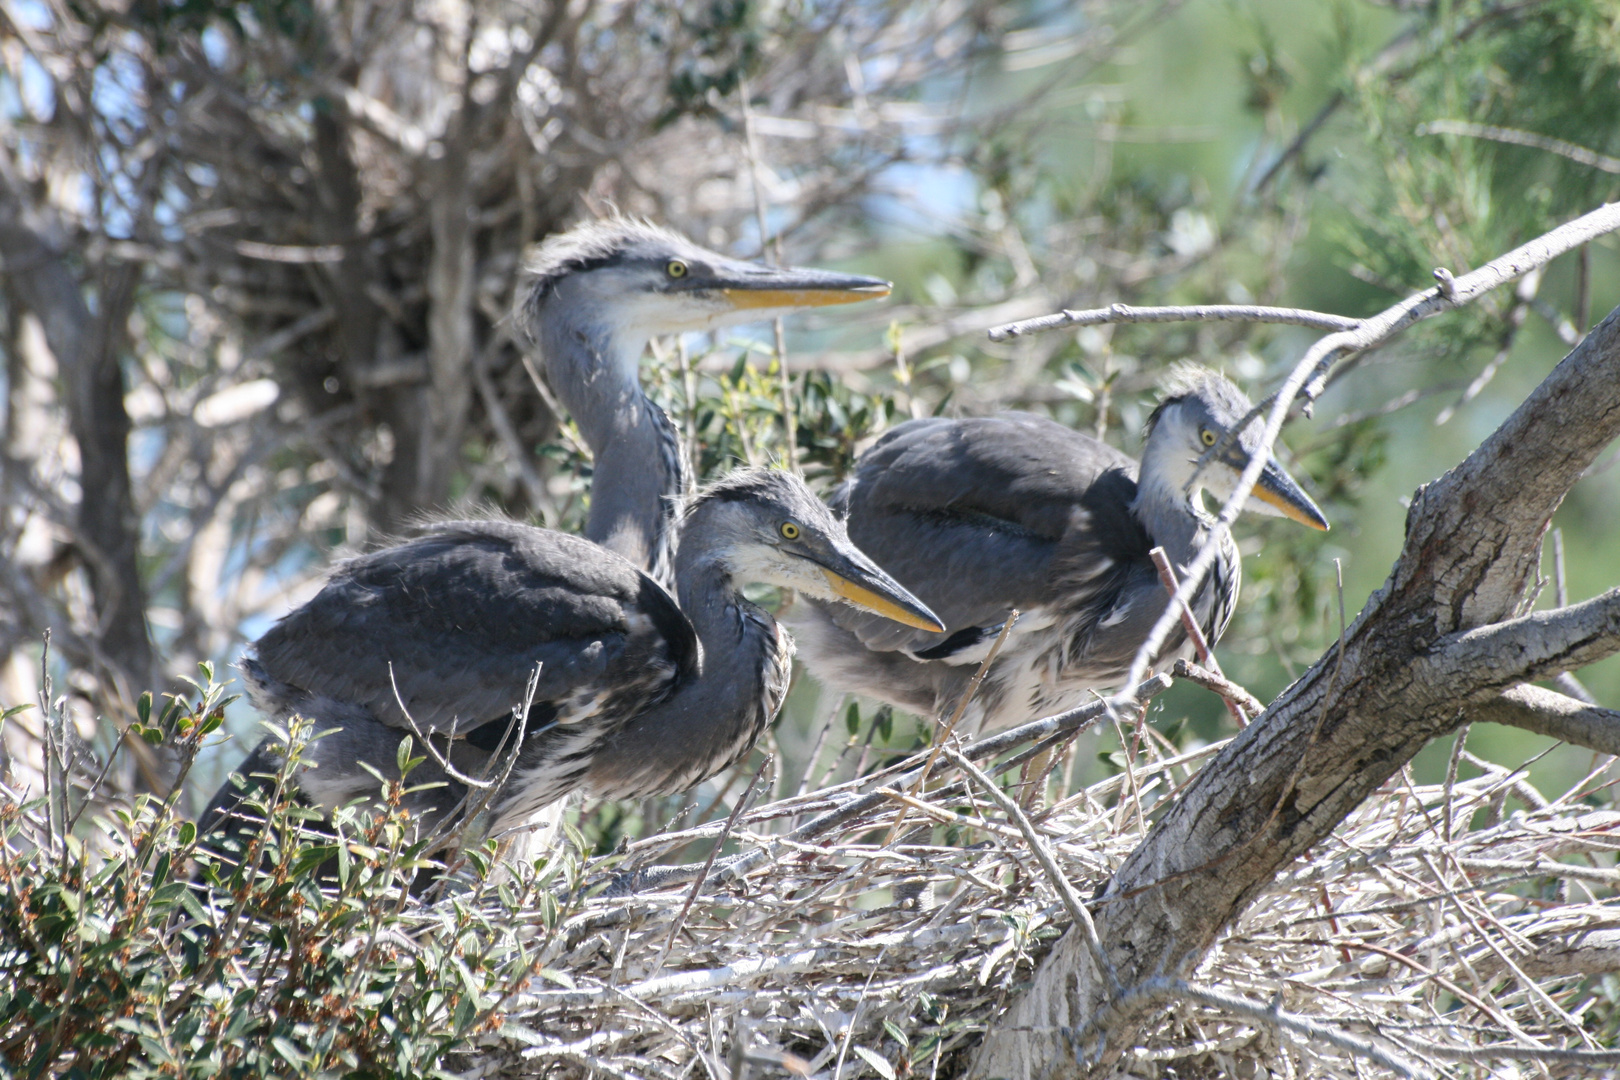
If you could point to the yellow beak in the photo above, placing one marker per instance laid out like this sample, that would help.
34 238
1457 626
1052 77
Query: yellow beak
861 596
803 298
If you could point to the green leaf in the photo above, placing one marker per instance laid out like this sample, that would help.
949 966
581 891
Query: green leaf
561 978
883 1068
143 707
285 1047
193 906
173 709
852 718
896 1034
167 896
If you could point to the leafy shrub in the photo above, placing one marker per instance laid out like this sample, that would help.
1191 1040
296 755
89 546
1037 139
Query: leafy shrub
127 949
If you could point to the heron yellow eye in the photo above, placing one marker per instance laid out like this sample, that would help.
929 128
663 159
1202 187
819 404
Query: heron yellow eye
1208 436
790 531
675 269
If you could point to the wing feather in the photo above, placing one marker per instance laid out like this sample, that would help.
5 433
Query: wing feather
456 620
978 516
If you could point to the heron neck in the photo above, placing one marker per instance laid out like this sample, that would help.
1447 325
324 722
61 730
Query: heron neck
1177 522
712 720
639 477
1174 520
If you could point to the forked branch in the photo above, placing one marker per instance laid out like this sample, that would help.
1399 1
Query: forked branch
1436 646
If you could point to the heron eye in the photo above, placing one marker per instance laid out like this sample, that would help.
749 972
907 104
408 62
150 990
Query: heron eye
675 269
790 531
1208 436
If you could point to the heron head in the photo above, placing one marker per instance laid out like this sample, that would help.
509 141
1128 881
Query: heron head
768 527
1199 408
636 280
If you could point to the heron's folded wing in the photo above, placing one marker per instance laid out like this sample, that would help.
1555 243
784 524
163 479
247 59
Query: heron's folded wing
979 516
452 625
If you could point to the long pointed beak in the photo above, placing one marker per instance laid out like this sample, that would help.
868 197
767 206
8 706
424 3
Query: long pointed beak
857 580
1277 489
751 286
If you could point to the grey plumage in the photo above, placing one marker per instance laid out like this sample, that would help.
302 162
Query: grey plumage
595 295
980 516
637 694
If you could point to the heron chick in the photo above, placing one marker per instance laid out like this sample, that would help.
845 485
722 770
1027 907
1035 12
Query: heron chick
980 516
638 692
595 296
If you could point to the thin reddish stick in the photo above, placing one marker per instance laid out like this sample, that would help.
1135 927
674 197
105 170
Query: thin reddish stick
1167 574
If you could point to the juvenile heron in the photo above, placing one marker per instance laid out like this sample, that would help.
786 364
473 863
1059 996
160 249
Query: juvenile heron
980 516
597 293
639 692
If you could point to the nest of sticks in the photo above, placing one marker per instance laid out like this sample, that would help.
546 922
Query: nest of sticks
878 928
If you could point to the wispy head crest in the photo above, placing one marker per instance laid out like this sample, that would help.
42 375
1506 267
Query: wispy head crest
755 482
586 246
1186 379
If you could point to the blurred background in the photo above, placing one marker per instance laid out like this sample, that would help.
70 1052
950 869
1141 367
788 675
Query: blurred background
256 262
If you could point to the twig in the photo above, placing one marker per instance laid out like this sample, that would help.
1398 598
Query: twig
1126 313
1579 154
563 430
961 707
1565 680
1043 855
1219 684
708 864
1052 727
1309 376
1526 294
821 741
1300 1025
1167 576
974 684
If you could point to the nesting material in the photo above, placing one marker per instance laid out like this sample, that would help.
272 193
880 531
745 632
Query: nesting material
1474 919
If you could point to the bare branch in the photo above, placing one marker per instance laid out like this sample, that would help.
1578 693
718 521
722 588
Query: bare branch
1359 713
1549 713
1535 646
1515 137
1125 313
1299 1025
1309 377
1219 684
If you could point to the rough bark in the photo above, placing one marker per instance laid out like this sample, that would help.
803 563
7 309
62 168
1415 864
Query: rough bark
1559 716
1433 646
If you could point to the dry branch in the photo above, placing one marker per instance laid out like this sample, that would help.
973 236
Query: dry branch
1407 671
1556 715
1125 313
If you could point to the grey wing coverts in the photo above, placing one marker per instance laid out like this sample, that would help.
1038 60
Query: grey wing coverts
451 626
978 516
456 621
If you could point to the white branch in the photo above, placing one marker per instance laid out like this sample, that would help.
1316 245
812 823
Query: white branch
1318 362
1125 313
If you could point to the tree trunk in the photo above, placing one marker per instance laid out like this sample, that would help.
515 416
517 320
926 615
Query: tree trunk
1436 646
87 346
